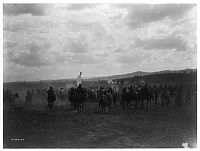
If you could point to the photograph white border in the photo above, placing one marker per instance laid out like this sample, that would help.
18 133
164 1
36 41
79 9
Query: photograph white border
96 1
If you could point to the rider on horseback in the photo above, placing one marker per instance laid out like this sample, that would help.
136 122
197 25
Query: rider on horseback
51 98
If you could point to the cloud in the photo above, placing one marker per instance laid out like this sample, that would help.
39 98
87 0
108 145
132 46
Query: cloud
164 43
77 44
80 6
9 44
78 59
32 56
77 47
86 59
96 39
20 9
140 14
132 56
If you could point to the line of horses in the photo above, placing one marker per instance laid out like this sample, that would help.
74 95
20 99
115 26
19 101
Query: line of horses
140 97
137 98
129 98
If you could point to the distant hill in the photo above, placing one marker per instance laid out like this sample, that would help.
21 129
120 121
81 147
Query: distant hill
138 73
116 77
185 77
175 71
122 76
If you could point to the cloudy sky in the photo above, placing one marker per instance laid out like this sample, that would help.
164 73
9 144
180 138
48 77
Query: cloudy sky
52 41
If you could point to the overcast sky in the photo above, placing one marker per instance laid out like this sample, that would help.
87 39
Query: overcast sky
46 41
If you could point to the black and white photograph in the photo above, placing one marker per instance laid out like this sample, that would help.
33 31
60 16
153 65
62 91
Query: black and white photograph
99 75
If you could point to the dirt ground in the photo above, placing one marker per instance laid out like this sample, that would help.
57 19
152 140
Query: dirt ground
36 127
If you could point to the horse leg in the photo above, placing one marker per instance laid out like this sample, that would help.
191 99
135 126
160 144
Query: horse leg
142 103
99 106
147 103
78 107
150 103
71 104
51 107
74 105
83 105
107 108
136 102
124 105
129 104
133 105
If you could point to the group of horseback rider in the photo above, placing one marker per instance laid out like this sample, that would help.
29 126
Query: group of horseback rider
51 97
135 97
105 97
77 97
131 96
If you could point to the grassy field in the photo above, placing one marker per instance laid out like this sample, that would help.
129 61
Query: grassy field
61 128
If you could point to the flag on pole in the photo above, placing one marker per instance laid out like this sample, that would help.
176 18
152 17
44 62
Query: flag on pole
79 79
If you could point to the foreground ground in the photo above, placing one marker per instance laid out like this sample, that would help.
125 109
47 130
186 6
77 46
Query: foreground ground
35 127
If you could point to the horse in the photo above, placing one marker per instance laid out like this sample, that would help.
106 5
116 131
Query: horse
71 96
137 98
145 95
51 98
124 98
77 97
28 97
102 103
105 101
150 97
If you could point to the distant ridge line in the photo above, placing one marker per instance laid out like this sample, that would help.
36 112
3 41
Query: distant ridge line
115 77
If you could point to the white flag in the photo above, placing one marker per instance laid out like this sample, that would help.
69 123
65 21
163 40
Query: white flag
79 79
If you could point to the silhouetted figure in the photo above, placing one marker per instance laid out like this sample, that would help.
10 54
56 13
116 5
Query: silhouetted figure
130 96
108 101
71 97
81 97
28 97
144 95
156 97
9 95
101 99
123 98
51 98
114 96
32 92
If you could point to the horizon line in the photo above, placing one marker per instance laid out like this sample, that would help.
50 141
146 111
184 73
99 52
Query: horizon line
91 77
